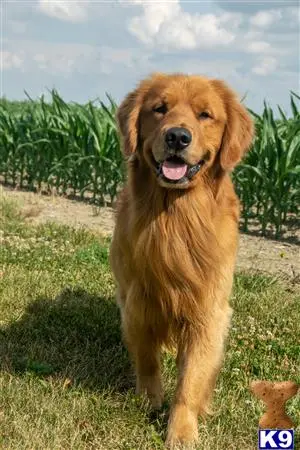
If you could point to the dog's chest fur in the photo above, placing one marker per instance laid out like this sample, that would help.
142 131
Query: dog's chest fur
175 252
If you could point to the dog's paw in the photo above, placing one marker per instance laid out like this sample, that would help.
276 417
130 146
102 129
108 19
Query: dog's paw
182 429
152 388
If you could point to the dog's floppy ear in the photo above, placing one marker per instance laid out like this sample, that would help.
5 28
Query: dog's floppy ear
239 128
128 116
127 119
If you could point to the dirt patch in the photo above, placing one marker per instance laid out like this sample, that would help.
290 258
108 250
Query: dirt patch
277 257
38 208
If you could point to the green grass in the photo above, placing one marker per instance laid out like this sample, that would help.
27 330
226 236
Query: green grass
65 379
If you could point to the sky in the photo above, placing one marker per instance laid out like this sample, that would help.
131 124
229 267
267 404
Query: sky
87 48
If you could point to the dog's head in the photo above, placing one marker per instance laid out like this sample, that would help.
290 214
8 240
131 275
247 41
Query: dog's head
181 125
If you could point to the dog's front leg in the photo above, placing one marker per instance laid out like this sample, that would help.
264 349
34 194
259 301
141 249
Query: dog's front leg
144 347
199 360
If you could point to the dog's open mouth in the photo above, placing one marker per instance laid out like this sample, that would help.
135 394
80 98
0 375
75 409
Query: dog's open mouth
175 170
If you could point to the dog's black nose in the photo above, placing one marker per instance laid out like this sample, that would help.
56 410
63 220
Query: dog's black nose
178 138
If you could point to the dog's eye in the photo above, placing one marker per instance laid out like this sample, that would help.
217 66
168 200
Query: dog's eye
161 109
204 115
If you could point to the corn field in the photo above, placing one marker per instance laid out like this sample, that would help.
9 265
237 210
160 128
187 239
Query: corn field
69 147
268 180
72 148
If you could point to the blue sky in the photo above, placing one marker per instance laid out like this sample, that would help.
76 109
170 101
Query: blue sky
87 48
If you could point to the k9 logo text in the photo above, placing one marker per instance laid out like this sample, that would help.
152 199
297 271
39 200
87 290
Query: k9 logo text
275 439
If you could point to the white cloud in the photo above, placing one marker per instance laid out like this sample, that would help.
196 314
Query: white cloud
11 60
167 26
263 19
258 47
61 59
266 66
215 68
58 63
71 11
253 35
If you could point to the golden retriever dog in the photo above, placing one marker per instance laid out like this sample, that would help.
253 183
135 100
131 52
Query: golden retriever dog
176 235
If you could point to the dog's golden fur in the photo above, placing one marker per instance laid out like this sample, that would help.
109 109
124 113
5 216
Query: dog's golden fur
174 246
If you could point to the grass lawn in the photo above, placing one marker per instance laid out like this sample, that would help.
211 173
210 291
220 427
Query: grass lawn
65 379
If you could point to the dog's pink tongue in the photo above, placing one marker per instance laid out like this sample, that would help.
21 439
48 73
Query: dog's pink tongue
173 171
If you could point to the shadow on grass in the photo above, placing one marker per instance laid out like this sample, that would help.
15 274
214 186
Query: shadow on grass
75 336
